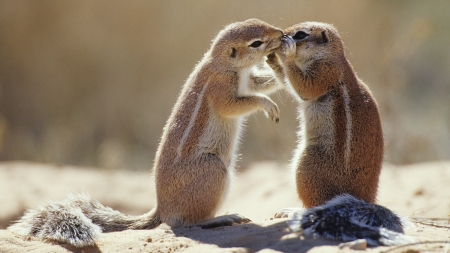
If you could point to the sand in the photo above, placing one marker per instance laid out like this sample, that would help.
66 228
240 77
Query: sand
419 191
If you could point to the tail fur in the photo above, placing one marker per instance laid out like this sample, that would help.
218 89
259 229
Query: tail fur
347 218
78 221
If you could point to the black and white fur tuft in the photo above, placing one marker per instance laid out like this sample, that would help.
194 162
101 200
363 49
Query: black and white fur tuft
347 218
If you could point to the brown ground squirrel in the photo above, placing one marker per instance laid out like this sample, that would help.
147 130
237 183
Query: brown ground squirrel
338 159
197 153
341 140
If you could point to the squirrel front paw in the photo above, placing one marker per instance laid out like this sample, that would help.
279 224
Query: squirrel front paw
288 46
270 108
287 50
271 58
272 61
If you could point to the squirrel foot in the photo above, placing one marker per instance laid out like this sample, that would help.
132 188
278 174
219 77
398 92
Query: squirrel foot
288 212
224 220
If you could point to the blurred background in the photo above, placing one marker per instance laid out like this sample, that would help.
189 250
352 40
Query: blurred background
91 83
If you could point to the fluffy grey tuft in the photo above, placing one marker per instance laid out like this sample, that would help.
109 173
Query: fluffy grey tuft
78 220
58 221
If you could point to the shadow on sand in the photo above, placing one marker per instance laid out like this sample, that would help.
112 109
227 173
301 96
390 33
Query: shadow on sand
277 236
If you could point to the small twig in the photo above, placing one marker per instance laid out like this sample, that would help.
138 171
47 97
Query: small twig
444 219
432 224
412 244
428 222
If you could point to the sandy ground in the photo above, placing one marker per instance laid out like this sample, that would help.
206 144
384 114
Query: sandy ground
419 191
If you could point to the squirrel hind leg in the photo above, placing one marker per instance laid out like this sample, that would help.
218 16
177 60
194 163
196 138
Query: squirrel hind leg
224 220
57 222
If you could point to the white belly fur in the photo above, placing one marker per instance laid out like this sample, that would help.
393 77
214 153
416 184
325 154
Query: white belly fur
316 127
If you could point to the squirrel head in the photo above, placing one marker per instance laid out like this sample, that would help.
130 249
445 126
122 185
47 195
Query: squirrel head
316 41
246 43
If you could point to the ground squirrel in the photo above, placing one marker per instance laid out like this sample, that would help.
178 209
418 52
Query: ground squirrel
341 140
340 150
197 152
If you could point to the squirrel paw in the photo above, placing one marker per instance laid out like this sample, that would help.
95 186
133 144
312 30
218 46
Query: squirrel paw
272 60
224 220
288 46
271 109
288 212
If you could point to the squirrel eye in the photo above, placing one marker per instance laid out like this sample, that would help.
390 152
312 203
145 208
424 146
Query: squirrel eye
300 35
256 44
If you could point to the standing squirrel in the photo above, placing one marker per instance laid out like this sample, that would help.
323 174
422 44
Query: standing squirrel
197 153
339 156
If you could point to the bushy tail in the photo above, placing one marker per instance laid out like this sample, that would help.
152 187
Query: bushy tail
78 221
347 218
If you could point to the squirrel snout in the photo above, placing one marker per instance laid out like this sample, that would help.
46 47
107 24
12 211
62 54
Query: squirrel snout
282 33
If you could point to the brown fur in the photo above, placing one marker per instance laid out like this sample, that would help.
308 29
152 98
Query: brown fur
341 140
197 152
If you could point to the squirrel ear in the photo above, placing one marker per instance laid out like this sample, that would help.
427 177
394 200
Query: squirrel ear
325 37
233 52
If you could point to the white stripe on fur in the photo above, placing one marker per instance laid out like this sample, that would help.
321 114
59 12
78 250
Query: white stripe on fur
192 120
348 127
